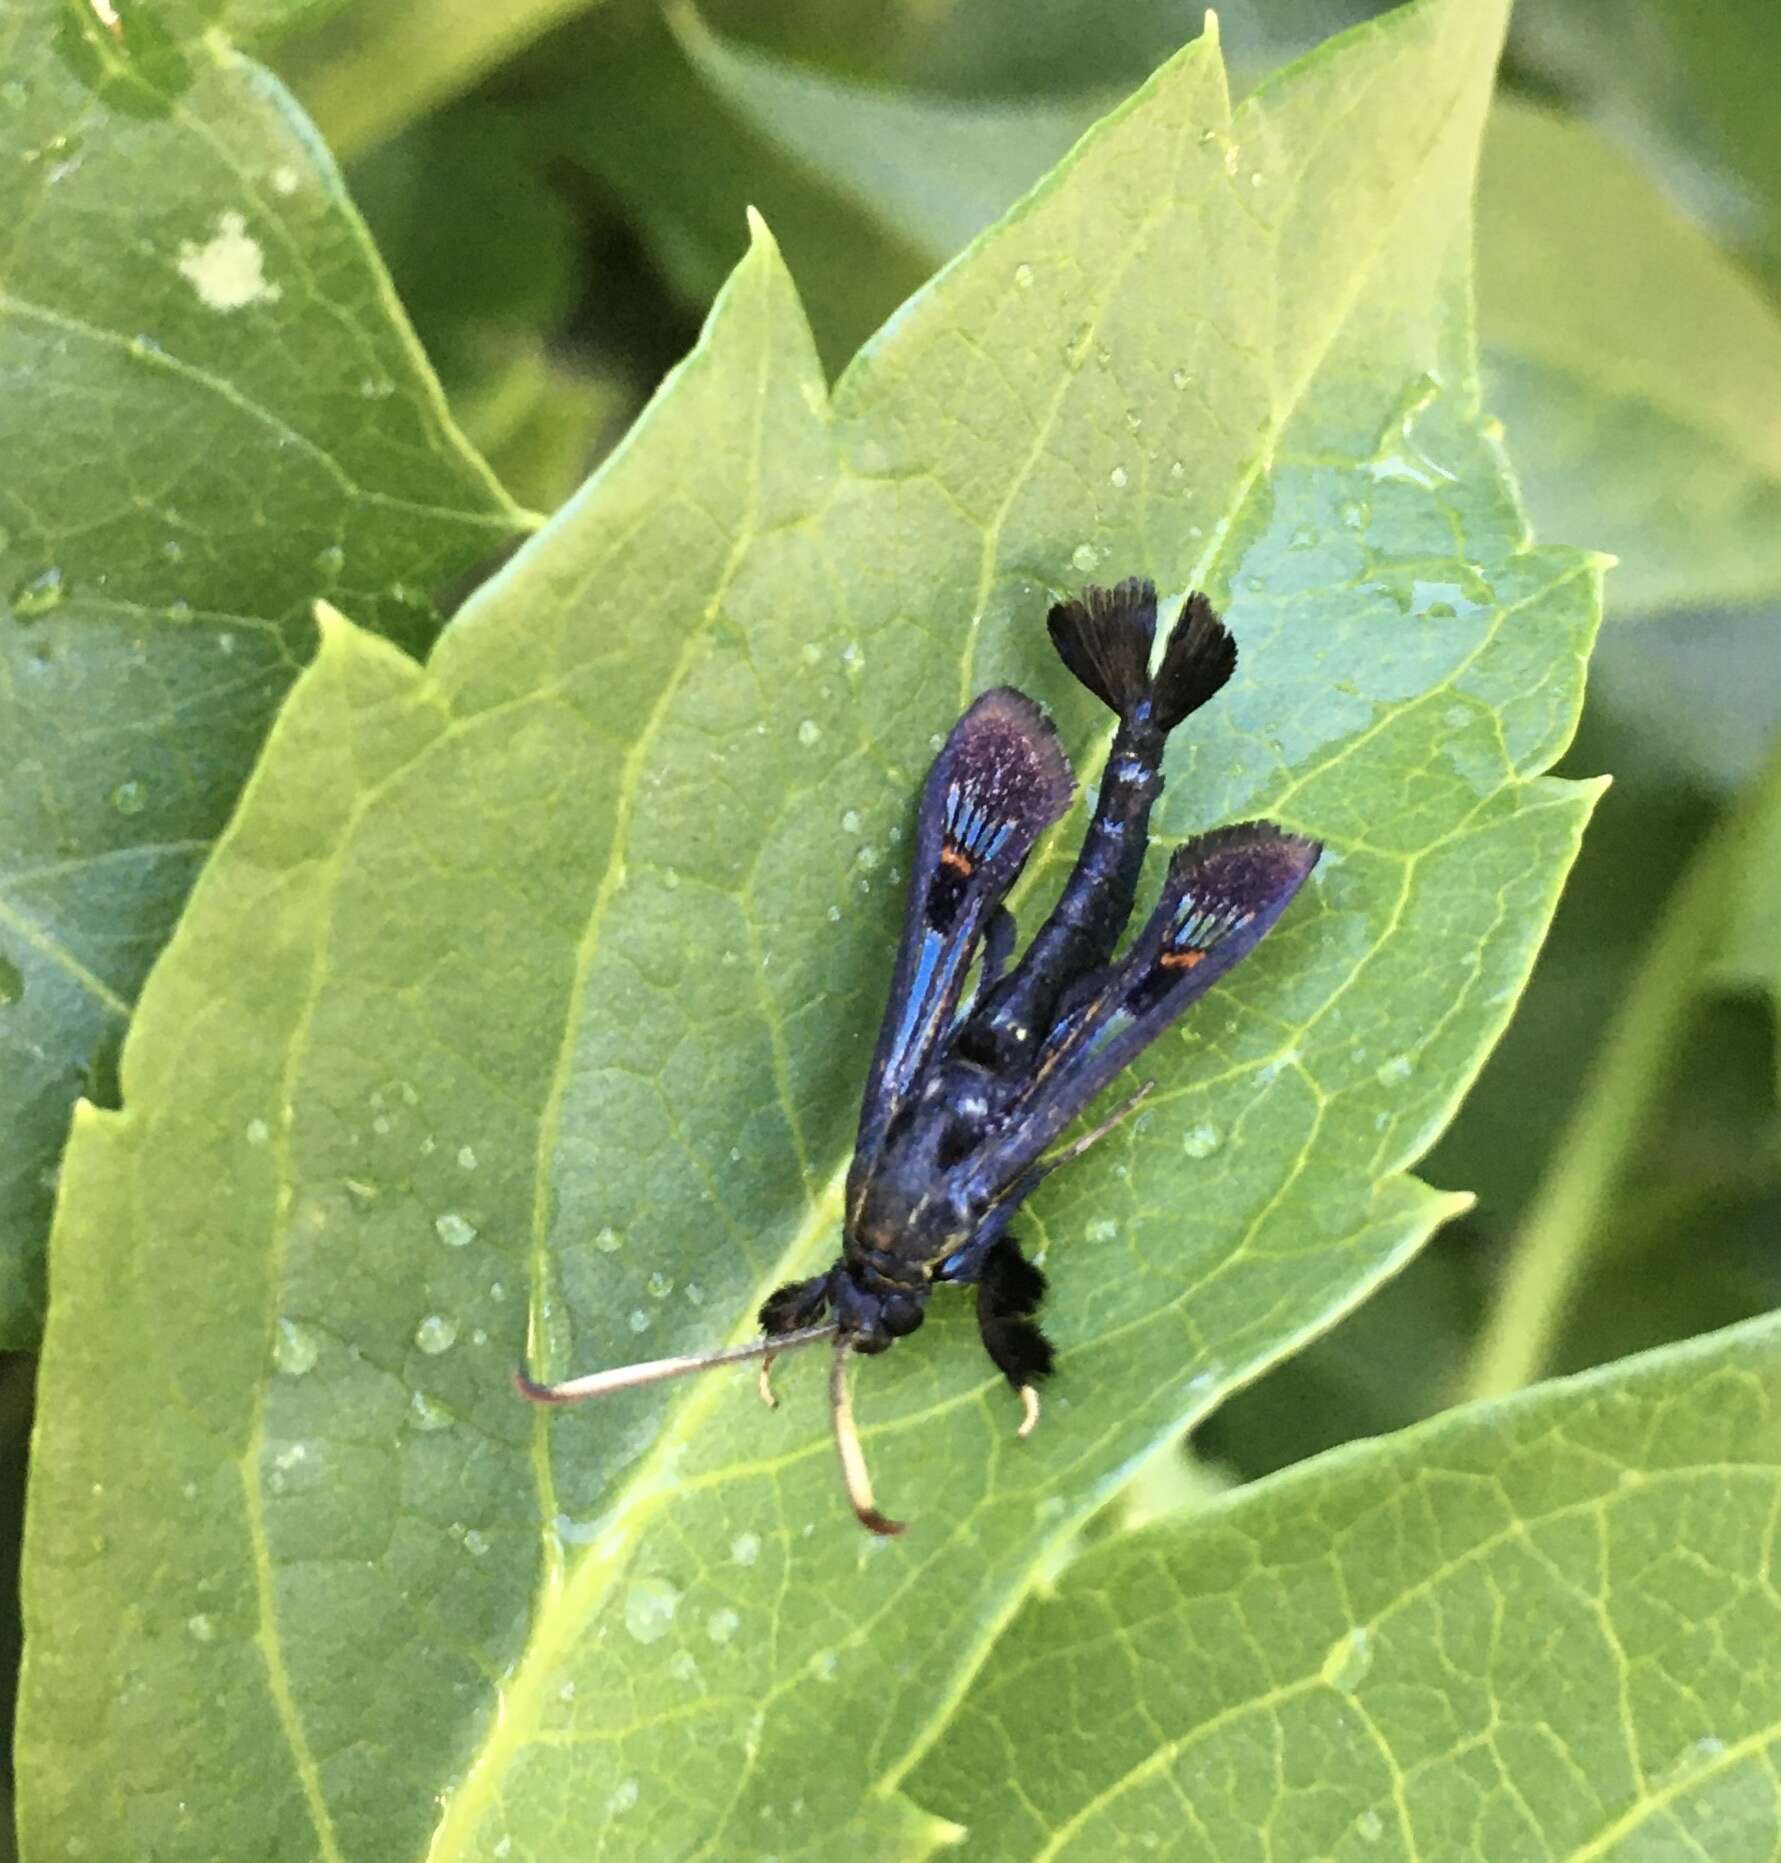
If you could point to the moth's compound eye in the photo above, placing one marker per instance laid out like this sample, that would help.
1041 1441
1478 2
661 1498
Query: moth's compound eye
901 1314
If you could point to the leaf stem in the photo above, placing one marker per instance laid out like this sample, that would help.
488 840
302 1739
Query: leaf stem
1561 1227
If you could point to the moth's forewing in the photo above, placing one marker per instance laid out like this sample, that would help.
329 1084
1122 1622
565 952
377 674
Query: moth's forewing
1001 779
1224 892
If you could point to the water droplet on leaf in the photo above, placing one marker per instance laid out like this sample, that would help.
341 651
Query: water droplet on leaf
428 1416
295 1348
650 1604
435 1334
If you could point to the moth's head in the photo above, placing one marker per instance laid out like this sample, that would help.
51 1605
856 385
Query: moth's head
873 1319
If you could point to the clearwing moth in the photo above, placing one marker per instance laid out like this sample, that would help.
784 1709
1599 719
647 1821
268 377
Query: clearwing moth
965 1105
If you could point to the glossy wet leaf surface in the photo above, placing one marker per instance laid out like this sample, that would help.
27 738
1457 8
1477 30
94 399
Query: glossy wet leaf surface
535 988
212 414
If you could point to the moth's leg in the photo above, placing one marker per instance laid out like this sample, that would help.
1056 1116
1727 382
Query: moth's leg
1105 640
796 1304
999 933
1009 1290
1077 1147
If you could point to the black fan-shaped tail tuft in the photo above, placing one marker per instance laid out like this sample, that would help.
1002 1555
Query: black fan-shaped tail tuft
1199 658
1105 640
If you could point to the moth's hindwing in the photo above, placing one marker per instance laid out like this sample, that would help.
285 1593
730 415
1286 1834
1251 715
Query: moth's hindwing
1223 893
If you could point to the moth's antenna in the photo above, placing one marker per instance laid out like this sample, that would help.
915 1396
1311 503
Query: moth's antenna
847 1442
628 1377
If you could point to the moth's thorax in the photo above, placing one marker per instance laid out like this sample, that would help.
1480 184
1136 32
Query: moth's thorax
903 1228
921 1199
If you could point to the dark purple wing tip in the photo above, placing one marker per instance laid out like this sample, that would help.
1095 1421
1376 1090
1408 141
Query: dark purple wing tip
1007 753
1250 868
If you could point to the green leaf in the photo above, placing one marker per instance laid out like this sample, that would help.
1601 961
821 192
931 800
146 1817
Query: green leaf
963 48
616 97
464 213
213 414
1675 1141
380 65
935 169
490 261
1695 696
1595 294
1684 1213
1540 1628
964 106
258 23
1686 90
1750 950
541 422
545 977
1635 368
1721 904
